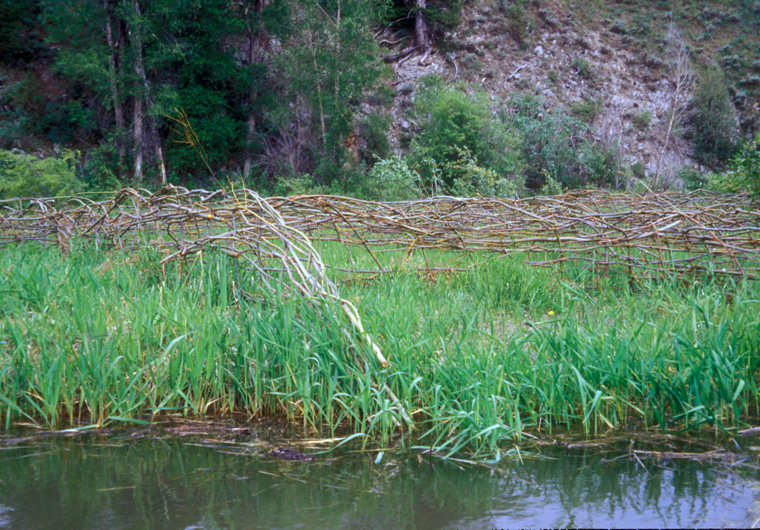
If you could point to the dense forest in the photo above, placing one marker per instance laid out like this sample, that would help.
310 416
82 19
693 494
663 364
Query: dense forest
292 96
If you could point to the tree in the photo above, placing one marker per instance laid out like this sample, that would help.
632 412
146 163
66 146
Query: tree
193 70
714 122
252 12
262 18
103 51
115 39
330 64
681 80
458 133
426 16
19 39
29 176
139 60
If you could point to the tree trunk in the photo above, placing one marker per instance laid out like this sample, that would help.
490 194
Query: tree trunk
255 36
318 81
421 29
137 132
422 38
114 64
154 141
678 59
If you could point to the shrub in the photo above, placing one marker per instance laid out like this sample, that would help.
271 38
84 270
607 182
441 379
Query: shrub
391 179
599 164
517 21
452 121
586 110
583 67
554 145
13 119
549 141
693 179
298 185
552 187
619 27
374 128
18 40
24 175
99 170
638 170
750 80
744 174
747 165
473 179
641 120
472 63
714 124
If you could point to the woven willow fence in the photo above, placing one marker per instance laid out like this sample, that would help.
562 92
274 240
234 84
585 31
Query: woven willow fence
654 234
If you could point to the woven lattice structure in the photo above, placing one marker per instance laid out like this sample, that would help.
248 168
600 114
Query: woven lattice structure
649 234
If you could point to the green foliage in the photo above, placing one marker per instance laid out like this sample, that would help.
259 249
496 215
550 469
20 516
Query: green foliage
599 164
554 145
292 106
471 62
450 119
25 111
547 142
99 170
19 39
391 179
13 119
28 176
714 124
517 20
642 119
441 15
188 62
746 164
693 179
453 122
582 67
586 110
374 130
219 133
330 65
83 57
62 121
552 187
188 38
298 185
744 175
471 179
638 170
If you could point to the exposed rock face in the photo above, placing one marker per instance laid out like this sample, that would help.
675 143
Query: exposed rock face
565 65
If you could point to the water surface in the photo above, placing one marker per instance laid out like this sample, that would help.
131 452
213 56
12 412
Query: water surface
116 482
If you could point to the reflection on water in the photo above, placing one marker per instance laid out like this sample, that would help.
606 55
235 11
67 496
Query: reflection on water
584 492
116 483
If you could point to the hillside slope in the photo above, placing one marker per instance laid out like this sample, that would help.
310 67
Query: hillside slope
280 95
609 63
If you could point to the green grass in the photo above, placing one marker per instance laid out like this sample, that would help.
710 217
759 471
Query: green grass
477 359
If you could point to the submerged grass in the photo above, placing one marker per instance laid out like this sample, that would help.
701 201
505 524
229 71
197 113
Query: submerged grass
477 358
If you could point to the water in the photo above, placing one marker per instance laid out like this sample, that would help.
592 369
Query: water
112 482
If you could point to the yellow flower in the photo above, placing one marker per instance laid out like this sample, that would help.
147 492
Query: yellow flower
550 313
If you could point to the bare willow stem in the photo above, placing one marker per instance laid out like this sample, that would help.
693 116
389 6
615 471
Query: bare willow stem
681 233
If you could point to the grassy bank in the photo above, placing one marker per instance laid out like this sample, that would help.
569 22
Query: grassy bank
476 358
